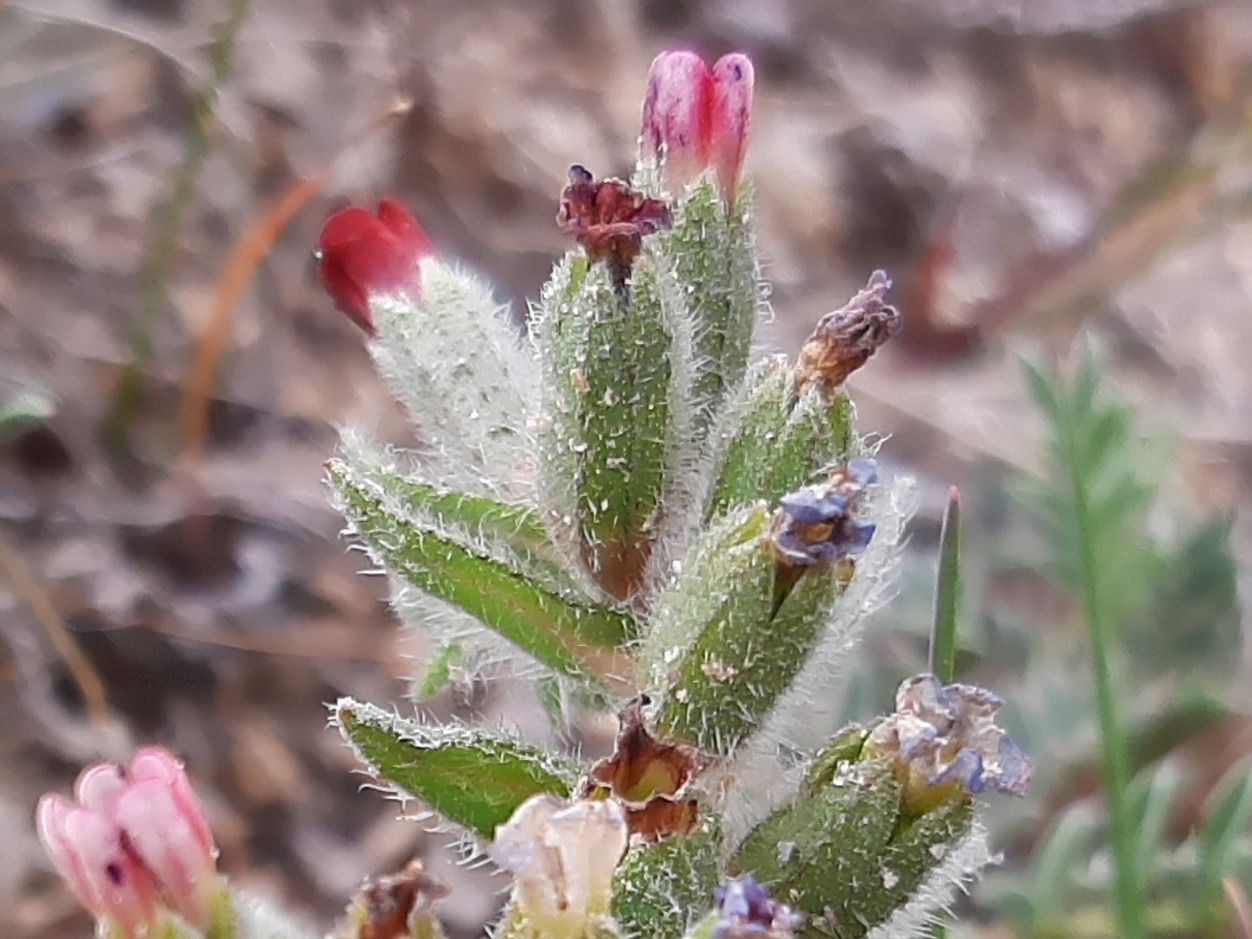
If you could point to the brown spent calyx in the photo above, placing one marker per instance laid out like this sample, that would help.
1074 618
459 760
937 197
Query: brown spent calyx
609 218
648 778
845 339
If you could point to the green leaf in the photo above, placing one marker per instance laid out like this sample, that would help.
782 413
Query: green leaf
505 530
468 775
1151 797
661 889
1227 820
1066 850
717 607
439 670
572 638
779 444
1193 621
1103 498
844 855
725 645
609 431
714 257
947 592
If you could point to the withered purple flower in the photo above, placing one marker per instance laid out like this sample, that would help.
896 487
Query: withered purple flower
844 340
948 734
609 218
746 909
819 524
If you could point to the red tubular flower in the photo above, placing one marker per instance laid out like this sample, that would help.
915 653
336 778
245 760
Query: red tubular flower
695 117
133 837
362 254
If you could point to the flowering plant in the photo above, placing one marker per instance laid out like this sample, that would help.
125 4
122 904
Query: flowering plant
625 507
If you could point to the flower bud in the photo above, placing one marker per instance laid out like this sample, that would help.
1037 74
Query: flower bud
745 910
819 524
89 852
609 218
165 826
396 906
133 837
945 737
563 856
362 254
695 117
844 339
887 810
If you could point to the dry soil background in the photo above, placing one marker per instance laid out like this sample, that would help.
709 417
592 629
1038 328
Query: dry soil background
1023 168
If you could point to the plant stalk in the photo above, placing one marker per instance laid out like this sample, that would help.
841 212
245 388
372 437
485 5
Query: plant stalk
1112 739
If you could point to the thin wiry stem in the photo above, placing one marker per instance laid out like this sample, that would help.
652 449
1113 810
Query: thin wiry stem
1113 743
165 243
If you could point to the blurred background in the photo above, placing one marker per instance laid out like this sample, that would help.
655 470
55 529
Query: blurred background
1032 173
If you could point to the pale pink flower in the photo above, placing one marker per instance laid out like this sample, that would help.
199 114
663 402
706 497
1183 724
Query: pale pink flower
90 853
134 837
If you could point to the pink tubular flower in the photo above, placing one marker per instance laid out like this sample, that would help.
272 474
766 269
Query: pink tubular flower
89 852
361 254
695 117
131 837
166 828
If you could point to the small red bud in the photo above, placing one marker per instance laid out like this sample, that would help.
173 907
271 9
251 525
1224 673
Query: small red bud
362 254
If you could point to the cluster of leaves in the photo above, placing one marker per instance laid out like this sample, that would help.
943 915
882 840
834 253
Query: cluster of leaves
652 520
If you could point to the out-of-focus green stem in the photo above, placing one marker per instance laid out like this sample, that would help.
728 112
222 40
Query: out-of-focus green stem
165 241
947 592
1113 743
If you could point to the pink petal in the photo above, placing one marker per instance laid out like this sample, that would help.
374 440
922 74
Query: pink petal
159 764
731 118
675 126
88 851
170 842
99 786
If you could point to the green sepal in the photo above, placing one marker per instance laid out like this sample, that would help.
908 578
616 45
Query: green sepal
731 636
778 443
469 775
607 433
439 669
714 256
570 637
846 855
661 888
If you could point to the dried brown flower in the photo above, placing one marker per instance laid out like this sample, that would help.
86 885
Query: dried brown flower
609 218
389 907
844 340
648 778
